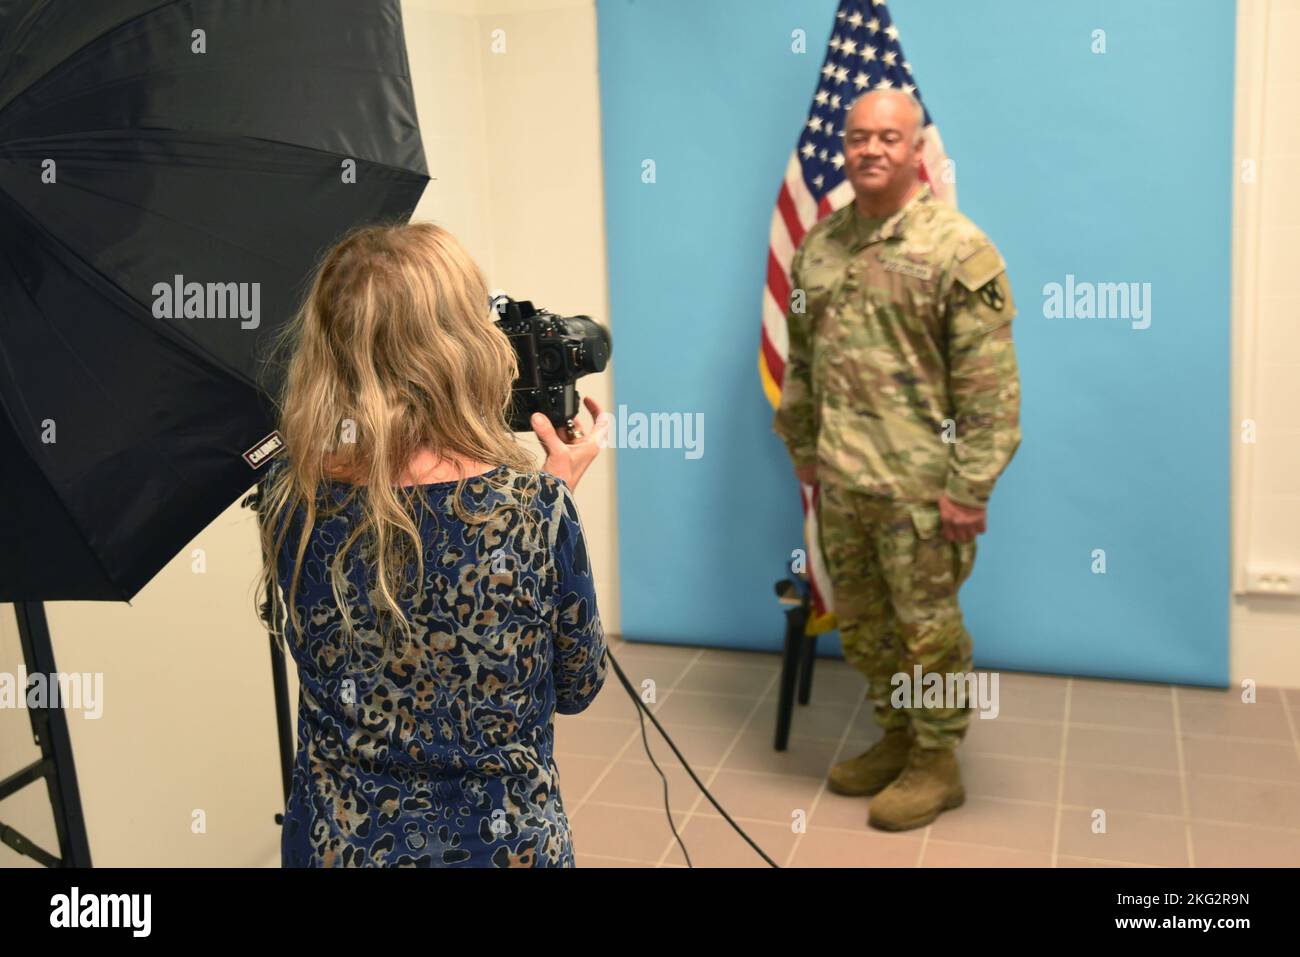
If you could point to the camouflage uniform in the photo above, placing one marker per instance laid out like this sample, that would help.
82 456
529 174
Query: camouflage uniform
901 385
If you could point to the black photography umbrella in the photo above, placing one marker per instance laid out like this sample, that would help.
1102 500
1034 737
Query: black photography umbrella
169 172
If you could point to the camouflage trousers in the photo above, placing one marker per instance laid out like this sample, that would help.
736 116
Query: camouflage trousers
895 579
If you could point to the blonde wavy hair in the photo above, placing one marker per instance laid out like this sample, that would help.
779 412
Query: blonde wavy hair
395 349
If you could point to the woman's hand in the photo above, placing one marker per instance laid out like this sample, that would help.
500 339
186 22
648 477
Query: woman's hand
567 458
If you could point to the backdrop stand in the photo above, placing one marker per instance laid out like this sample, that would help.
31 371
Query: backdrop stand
279 671
56 766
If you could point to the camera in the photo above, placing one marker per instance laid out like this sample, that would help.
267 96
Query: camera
554 352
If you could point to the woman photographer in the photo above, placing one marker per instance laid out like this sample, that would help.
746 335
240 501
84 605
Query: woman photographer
439 597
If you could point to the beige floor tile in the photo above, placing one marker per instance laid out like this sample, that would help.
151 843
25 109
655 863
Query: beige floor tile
834 686
1244 801
865 848
652 650
805 757
1123 789
712 678
1065 861
840 812
723 656
580 734
1023 679
720 708
1013 737
703 710
637 783
1262 721
612 703
991 775
577 776
950 854
763 797
1038 701
701 747
1009 824
619 832
595 860
1232 695
712 842
1129 836
1108 686
664 671
1145 750
812 720
1235 845
1122 710
1263 760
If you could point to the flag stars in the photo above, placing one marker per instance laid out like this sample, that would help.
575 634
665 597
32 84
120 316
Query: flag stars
909 89
808 150
835 102
822 97
838 161
891 31
862 81
873 25
890 57
868 53
841 74
855 19
828 70
848 48
815 123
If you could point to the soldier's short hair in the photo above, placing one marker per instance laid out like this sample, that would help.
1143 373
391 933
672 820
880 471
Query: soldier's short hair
917 108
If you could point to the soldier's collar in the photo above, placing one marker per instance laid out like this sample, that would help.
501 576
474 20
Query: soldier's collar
891 227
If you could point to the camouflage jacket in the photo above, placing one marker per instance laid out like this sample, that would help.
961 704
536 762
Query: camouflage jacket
901 379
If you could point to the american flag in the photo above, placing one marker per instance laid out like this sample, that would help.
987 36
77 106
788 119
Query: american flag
863 54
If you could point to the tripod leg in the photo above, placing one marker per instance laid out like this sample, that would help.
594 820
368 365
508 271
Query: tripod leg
807 658
284 727
50 728
794 625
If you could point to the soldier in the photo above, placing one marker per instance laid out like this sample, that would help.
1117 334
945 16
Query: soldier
902 400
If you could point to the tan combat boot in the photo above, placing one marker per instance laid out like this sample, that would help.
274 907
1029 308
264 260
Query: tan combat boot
928 786
872 770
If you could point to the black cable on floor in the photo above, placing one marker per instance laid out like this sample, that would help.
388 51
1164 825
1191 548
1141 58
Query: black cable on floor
643 712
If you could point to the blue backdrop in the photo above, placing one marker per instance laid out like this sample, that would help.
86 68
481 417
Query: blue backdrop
1110 167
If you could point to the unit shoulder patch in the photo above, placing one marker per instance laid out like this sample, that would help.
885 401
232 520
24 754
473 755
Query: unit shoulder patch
980 267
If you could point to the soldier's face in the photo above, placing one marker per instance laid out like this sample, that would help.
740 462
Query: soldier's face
881 151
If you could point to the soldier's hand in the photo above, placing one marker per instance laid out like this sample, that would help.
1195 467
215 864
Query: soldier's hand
807 474
961 523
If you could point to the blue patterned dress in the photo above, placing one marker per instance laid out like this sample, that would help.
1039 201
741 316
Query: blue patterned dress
442 755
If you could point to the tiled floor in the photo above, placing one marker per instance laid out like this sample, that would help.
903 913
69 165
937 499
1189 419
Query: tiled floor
1183 777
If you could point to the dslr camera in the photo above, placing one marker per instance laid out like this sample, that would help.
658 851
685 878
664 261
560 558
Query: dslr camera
554 352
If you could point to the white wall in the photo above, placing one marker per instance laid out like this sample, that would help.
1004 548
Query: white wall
1266 338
